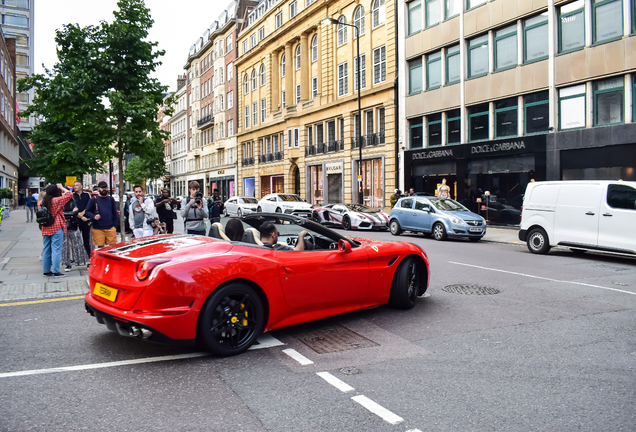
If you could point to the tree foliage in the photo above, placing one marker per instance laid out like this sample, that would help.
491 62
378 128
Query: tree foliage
139 170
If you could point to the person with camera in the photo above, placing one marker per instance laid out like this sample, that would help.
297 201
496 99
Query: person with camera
194 210
166 206
216 207
72 247
142 213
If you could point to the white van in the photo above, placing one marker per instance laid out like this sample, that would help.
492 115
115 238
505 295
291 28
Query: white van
581 215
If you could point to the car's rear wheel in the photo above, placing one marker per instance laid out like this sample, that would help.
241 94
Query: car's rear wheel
538 242
239 213
346 223
439 232
231 319
259 209
395 228
406 284
278 210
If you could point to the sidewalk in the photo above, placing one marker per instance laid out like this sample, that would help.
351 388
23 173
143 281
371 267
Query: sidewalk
502 235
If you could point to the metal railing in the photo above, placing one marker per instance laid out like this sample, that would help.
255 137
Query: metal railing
247 161
205 120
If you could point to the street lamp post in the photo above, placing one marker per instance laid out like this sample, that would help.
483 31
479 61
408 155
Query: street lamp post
359 126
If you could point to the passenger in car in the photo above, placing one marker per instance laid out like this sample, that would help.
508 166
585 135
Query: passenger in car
270 234
234 230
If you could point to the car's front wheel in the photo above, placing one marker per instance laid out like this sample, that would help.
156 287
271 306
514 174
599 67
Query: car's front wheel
278 210
395 228
224 212
406 284
316 217
231 319
239 213
259 209
346 223
538 242
439 232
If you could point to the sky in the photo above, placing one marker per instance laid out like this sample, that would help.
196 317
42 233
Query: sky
178 24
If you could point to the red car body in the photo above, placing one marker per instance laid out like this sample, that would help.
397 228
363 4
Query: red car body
183 272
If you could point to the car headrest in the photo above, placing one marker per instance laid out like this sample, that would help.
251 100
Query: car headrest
217 231
252 236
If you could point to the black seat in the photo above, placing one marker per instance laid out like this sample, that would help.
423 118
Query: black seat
252 236
217 231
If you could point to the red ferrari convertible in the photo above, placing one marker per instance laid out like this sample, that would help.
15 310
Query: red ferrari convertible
183 289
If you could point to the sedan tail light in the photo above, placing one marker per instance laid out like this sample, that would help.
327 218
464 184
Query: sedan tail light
144 268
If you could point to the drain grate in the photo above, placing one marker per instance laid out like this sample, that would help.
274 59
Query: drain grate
471 289
350 370
325 337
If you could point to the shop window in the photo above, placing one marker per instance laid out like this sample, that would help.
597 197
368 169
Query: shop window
506 118
572 26
415 76
478 122
363 72
607 20
434 70
474 3
414 17
452 65
416 129
316 184
373 181
621 197
506 48
453 126
343 79
434 130
478 57
535 38
572 107
537 113
453 8
609 101
433 12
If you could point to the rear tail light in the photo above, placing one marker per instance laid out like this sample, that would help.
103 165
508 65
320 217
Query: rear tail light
144 268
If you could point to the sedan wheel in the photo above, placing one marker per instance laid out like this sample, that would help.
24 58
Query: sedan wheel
224 212
231 320
439 232
239 213
346 223
259 209
278 210
395 227
406 284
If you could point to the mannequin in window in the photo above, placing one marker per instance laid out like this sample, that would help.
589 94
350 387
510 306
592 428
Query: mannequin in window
443 191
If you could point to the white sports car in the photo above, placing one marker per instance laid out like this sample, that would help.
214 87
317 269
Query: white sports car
240 206
284 203
351 216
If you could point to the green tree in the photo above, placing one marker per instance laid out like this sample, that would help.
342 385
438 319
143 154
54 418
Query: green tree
139 170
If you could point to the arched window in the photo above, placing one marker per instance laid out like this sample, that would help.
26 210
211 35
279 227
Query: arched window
342 31
314 48
247 84
262 75
378 12
297 56
254 80
358 19
282 66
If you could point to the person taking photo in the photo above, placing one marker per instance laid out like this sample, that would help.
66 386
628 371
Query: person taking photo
195 210
53 235
166 205
141 214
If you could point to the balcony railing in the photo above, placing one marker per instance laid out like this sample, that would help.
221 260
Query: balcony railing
310 150
279 155
247 161
205 120
321 148
334 146
270 157
368 140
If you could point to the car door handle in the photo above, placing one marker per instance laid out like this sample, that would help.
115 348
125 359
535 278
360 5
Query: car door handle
287 269
590 213
608 214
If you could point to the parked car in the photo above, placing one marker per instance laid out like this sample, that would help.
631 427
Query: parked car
441 217
581 215
501 213
351 216
240 206
184 289
284 203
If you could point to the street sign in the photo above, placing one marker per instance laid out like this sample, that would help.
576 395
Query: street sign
359 178
70 181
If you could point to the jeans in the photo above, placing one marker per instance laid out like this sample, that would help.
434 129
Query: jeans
200 233
29 212
52 252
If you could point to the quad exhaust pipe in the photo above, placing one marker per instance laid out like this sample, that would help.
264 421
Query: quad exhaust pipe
134 331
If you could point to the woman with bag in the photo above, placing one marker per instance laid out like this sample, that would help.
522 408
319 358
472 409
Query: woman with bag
53 232
73 243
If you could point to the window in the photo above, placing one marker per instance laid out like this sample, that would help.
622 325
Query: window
314 87
433 12
452 65
314 48
15 20
535 38
506 118
363 72
478 122
572 26
414 17
453 8
320 138
506 48
342 31
368 120
246 84
621 197
247 116
434 130
253 41
292 10
254 114
279 19
474 3
415 76
244 46
607 20
310 136
379 65
230 71
230 128
262 75
358 19
343 79
221 104
297 94
341 128
254 82
263 109
298 57
609 101
537 113
478 57
434 70
283 98
17 3
229 46
22 59
416 128
572 107
282 66
230 100
20 39
378 12
453 126
381 124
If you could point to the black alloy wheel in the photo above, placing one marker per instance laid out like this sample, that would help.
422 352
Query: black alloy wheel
346 223
538 242
316 217
439 232
395 228
406 284
231 320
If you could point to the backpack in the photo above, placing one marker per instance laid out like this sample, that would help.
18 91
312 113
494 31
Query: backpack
43 217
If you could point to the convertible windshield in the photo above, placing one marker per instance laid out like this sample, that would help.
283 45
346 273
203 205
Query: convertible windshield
290 198
446 204
249 200
360 208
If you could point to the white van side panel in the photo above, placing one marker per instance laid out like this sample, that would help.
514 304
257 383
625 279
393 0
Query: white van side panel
539 205
577 214
617 225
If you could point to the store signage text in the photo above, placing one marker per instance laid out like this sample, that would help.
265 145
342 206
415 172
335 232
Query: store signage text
492 148
433 154
272 170
334 168
221 172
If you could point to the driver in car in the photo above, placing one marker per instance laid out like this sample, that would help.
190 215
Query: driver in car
269 237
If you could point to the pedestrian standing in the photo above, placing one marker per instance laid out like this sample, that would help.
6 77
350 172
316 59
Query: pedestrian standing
53 235
166 206
81 199
141 214
102 211
395 197
73 245
216 207
195 210
30 206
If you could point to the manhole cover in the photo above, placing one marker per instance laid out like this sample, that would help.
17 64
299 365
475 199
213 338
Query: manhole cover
471 289
350 370
325 337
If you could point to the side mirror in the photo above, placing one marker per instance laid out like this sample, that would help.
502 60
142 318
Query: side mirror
344 246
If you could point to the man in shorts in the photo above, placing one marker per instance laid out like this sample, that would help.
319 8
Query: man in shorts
102 210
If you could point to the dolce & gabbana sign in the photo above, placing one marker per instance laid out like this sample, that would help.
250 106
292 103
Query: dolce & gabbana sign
432 154
498 147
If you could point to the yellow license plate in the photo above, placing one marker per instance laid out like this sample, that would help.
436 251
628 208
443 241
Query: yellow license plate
105 292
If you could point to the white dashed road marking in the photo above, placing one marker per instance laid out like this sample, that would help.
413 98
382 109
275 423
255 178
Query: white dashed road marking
378 410
298 357
340 385
544 278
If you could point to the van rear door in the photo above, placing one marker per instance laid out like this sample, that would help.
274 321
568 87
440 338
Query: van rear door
577 214
618 218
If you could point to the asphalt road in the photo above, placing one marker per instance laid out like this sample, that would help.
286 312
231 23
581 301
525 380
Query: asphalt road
553 350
